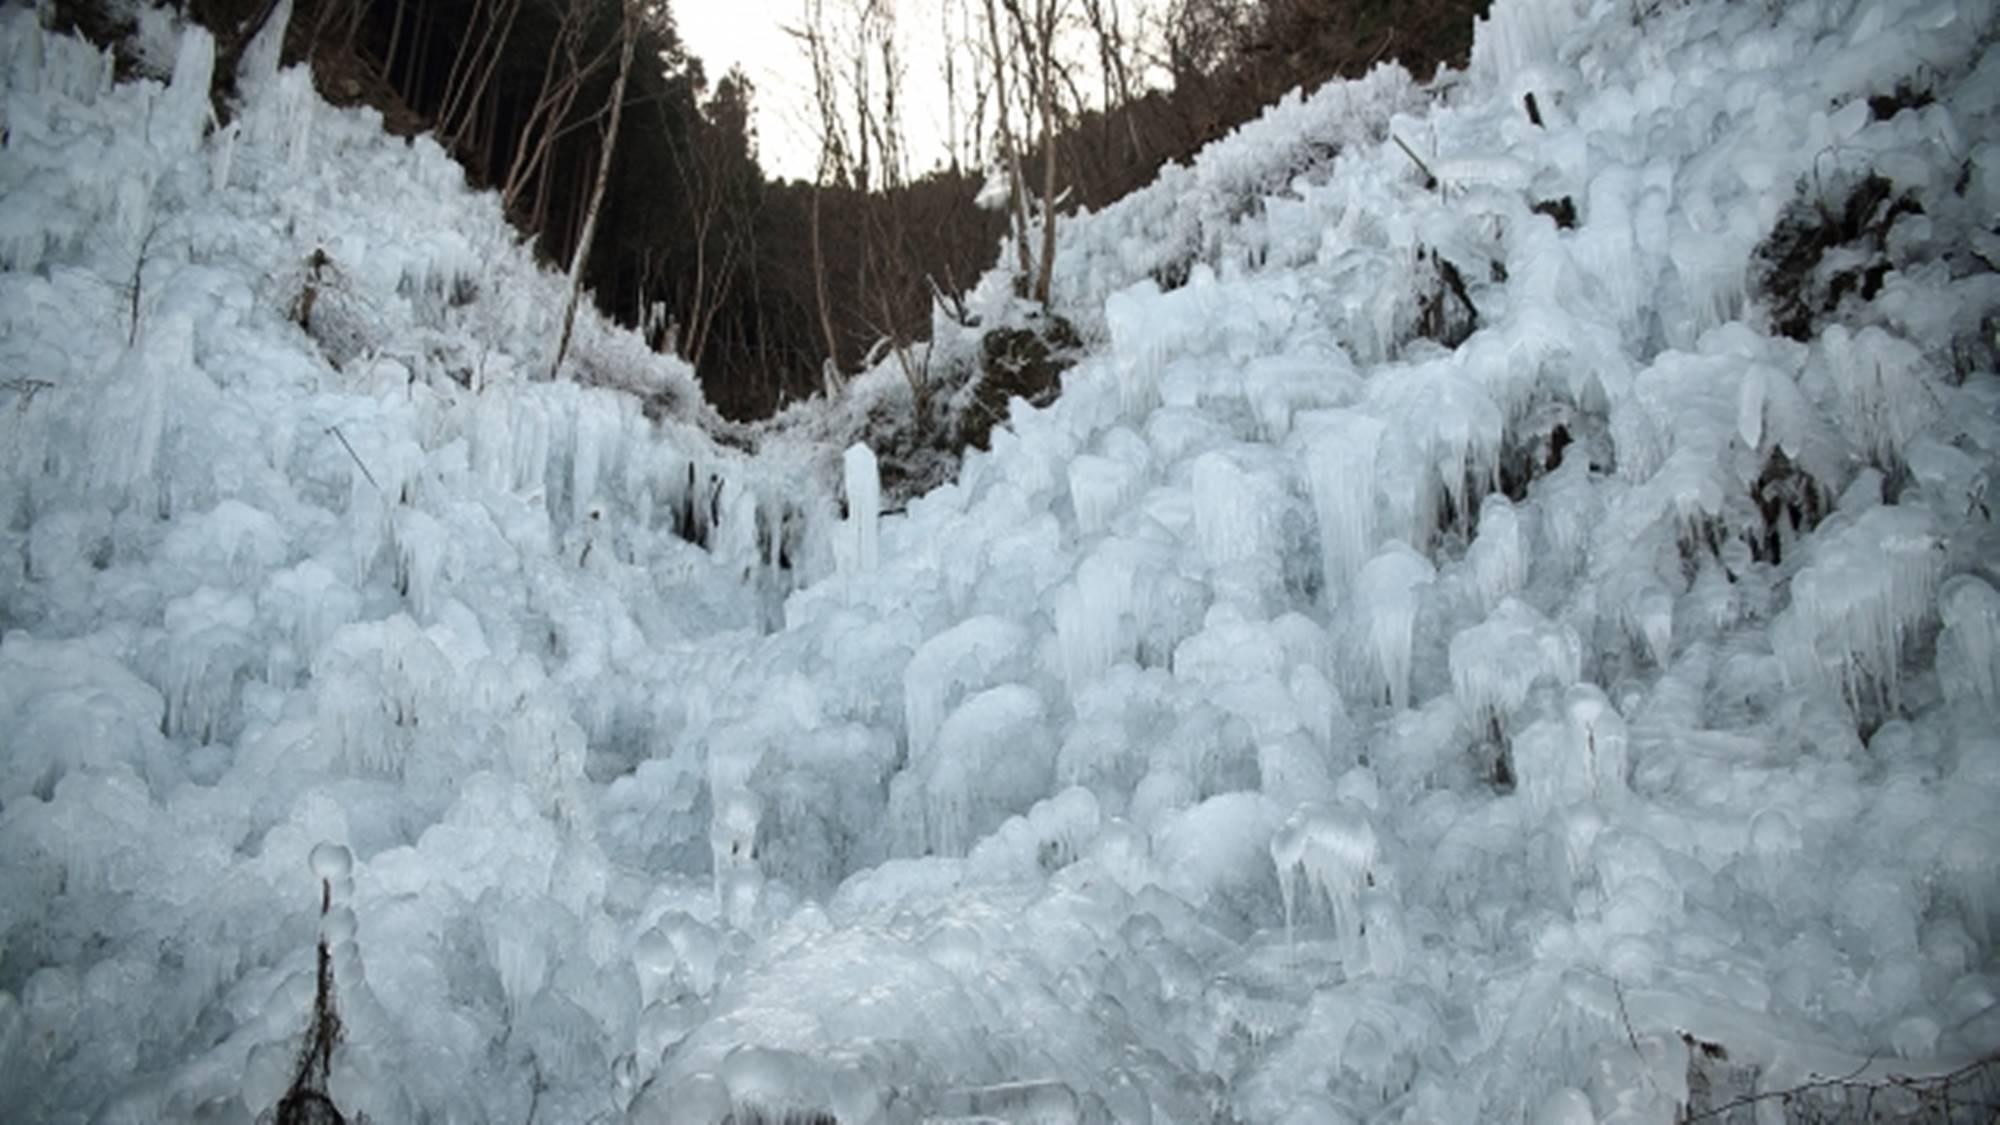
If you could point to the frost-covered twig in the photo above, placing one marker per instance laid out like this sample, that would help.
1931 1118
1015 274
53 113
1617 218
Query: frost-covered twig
1430 180
1625 1017
335 431
1933 1090
27 388
306 1100
137 287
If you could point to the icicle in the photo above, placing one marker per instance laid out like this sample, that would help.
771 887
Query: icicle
1340 468
1099 488
543 748
1968 665
593 444
1883 380
128 426
1570 511
517 953
1545 765
27 72
421 546
186 110
734 539
1095 619
1286 849
1141 337
1497 563
1386 935
1580 827
1775 845
767 1084
375 683
1971 874
1386 596
1868 584
308 604
1576 755
1652 614
208 651
1445 433
1336 850
999 760
1601 734
1495 663
1711 268
224 158
1290 766
297 100
1231 513
1515 36
1321 710
261 57
732 839
1606 247
974 654
1052 835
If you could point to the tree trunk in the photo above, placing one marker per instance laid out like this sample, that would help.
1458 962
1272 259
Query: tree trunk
1009 153
531 149
581 255
1047 32
459 122
819 287
395 41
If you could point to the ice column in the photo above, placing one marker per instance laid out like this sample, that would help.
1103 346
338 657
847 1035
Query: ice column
864 505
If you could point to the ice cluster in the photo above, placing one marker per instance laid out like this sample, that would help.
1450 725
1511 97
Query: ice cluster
1303 718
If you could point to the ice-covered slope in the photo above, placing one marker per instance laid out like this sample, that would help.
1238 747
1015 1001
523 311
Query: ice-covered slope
1298 721
301 544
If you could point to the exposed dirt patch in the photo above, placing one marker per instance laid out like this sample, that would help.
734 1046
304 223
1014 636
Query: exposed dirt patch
1826 248
1016 363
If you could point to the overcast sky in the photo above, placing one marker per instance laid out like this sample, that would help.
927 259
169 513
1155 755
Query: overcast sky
749 33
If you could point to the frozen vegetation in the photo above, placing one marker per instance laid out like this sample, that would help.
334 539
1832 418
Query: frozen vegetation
1511 637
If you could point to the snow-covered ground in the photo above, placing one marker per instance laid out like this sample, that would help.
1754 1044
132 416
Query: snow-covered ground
1297 721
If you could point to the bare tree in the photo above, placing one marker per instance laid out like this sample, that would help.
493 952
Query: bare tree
968 93
707 165
395 41
472 69
564 74
1041 39
879 18
811 36
1116 53
628 35
1009 149
859 76
1107 27
1027 57
950 67
343 17
1199 34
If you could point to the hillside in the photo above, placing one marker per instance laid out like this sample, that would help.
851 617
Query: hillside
1499 624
